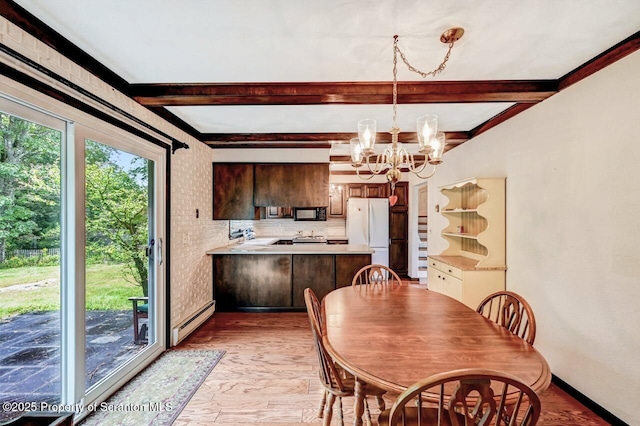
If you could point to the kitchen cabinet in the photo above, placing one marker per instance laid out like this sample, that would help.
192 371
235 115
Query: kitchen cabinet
366 190
276 282
355 190
474 264
296 185
347 266
233 191
337 240
252 280
375 190
399 231
337 204
278 213
316 272
460 279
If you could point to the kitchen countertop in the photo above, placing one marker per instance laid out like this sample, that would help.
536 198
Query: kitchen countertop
264 246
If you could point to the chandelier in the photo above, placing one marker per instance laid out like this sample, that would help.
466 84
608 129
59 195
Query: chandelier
431 142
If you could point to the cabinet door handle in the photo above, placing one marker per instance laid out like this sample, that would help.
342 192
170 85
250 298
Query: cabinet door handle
450 271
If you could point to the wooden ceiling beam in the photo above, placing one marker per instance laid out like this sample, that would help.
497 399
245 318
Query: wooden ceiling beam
344 138
500 118
352 93
261 145
606 58
363 171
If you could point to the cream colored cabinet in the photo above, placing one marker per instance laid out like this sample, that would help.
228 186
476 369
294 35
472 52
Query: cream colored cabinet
464 282
473 265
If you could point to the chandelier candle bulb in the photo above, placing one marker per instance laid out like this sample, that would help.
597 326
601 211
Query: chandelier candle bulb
437 148
427 128
367 135
356 152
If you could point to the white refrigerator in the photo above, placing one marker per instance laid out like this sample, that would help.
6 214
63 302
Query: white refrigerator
368 223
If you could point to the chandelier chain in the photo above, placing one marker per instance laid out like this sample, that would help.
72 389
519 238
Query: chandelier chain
395 81
411 68
433 73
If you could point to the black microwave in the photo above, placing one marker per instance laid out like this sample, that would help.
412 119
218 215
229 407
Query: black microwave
310 213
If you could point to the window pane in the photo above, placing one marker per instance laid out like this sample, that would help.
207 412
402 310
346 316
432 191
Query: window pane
30 352
117 233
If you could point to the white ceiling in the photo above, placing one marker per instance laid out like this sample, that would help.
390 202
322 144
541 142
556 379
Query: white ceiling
222 41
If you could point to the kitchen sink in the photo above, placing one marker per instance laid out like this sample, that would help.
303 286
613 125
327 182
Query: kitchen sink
317 239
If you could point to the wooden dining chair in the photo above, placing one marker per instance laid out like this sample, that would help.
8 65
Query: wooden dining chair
336 381
376 274
511 311
465 397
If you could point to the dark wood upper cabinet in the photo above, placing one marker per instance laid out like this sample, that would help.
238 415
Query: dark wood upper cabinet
337 204
278 213
233 191
366 190
376 190
296 185
355 190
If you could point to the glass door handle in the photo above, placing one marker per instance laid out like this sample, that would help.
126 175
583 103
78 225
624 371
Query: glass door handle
159 251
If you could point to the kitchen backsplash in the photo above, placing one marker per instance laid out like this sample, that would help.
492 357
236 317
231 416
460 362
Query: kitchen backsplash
289 227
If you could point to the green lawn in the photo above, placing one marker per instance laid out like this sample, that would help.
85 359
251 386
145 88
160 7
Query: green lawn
107 289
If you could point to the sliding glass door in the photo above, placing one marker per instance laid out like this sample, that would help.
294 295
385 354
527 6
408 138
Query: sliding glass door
81 256
119 253
30 236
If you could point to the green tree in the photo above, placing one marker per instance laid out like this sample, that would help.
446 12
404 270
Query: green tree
29 175
117 210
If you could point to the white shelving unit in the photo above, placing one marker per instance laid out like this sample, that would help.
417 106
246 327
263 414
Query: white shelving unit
474 263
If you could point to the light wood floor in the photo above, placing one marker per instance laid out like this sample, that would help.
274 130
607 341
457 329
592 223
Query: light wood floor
269 375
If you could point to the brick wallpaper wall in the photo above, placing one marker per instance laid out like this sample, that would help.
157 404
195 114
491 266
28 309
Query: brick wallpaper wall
190 175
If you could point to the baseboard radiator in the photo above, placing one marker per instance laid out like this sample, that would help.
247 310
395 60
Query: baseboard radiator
184 329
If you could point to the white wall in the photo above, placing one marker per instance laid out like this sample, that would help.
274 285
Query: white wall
573 204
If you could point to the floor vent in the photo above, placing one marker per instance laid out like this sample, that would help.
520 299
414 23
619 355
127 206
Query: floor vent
182 331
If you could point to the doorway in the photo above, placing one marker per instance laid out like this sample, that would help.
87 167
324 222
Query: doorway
82 224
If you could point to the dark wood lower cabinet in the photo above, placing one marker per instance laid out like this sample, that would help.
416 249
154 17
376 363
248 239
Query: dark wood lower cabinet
250 280
316 272
259 282
347 266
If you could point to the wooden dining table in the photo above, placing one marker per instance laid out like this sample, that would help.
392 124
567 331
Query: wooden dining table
394 336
